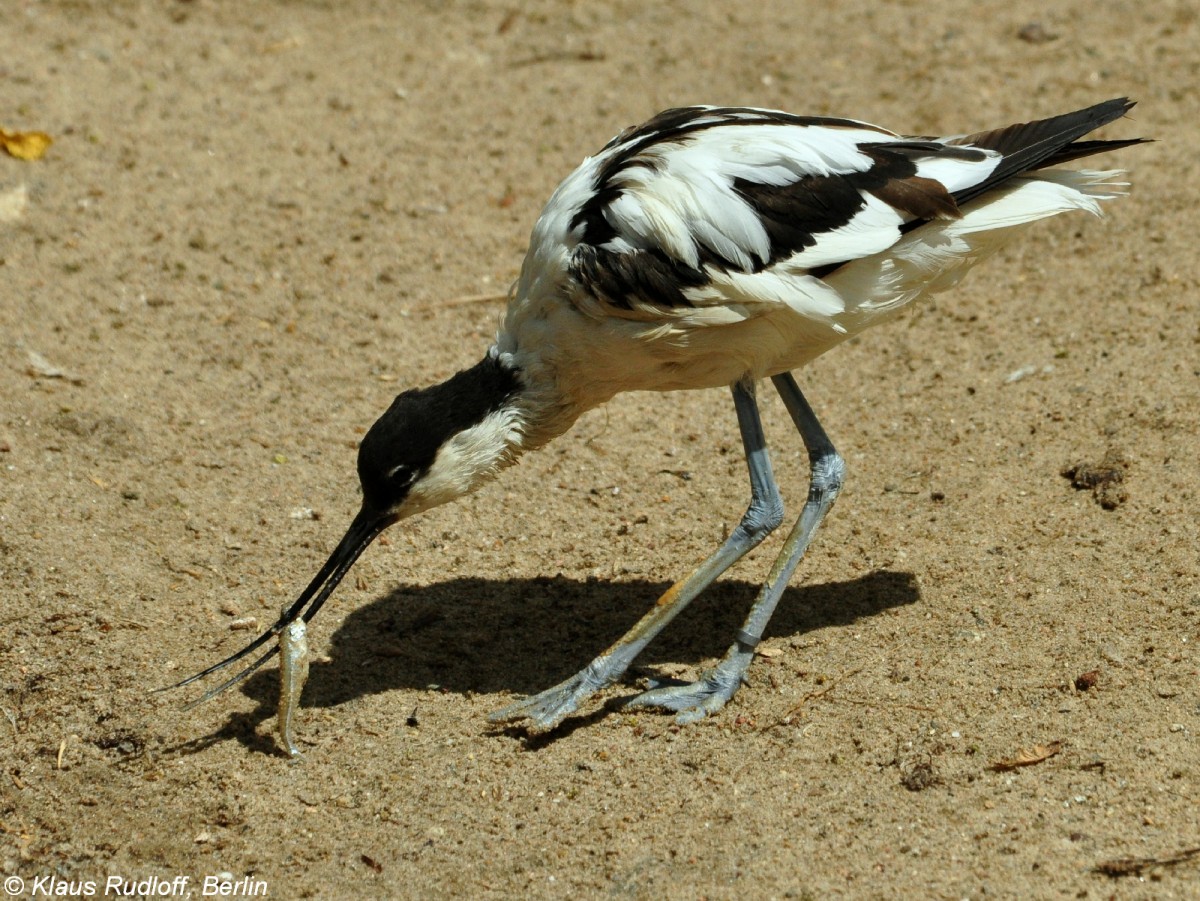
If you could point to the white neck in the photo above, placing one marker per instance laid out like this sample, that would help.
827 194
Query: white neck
469 459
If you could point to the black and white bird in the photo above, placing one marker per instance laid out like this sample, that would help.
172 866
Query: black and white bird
708 247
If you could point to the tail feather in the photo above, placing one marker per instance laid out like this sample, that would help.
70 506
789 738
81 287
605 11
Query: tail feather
1080 149
1045 142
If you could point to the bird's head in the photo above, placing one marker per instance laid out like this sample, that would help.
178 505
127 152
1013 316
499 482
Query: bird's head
432 445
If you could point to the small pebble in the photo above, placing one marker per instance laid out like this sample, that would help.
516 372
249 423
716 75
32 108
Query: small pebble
1035 33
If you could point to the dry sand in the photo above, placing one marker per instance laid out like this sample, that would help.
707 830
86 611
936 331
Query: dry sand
259 221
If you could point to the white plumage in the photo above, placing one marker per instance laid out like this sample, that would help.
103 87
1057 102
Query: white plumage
707 247
935 257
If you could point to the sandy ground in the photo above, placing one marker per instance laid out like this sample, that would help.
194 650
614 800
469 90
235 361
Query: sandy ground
259 221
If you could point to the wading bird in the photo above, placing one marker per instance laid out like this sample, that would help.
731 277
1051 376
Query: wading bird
711 246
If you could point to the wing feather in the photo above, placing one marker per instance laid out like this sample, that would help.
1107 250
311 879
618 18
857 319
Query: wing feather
705 206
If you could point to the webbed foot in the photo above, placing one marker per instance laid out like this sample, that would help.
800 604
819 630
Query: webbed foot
693 701
545 710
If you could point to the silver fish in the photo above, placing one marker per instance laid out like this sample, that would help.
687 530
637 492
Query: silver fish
293 672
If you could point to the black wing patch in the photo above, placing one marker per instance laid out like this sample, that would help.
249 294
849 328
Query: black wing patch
621 277
796 215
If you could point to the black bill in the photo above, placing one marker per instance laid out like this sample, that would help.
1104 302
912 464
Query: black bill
363 530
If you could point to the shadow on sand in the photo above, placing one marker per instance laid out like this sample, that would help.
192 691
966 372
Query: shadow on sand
519 636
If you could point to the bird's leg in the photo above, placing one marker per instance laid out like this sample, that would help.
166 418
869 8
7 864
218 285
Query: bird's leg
696 700
546 710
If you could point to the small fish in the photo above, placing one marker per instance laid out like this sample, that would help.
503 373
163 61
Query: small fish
293 673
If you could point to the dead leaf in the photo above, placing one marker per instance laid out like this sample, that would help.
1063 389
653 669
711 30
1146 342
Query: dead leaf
1027 757
25 145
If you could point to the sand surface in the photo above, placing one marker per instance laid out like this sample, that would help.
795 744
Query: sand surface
259 221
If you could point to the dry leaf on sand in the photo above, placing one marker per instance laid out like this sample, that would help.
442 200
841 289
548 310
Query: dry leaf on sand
25 145
1027 757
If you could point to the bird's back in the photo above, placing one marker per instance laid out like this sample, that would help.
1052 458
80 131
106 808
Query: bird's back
713 243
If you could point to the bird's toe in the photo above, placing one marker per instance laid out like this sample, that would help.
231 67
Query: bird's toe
539 713
543 711
692 701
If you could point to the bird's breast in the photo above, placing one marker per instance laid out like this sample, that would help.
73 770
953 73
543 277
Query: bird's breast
566 346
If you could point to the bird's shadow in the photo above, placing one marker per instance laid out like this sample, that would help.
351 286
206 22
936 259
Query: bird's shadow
519 636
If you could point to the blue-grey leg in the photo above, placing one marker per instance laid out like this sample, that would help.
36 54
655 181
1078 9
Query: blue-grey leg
696 700
546 710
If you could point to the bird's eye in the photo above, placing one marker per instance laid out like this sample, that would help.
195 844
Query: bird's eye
402 476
